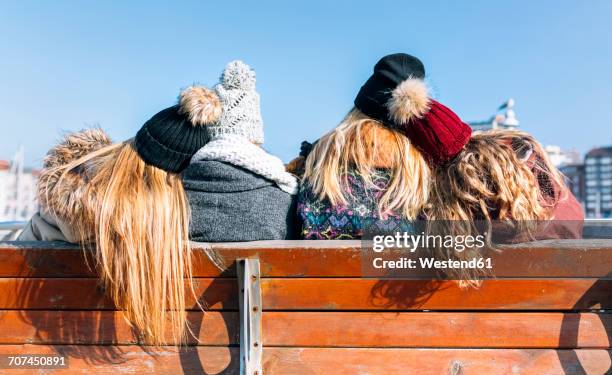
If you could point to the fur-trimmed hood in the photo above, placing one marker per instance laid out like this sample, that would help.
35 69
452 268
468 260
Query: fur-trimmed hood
66 200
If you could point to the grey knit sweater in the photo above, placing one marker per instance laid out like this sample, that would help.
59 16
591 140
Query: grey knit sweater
229 204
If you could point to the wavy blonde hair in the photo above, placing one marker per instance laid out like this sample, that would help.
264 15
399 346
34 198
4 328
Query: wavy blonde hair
136 217
365 144
489 180
550 180
500 175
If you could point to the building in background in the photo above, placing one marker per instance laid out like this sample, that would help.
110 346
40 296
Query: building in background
560 157
17 190
598 182
590 183
575 179
506 120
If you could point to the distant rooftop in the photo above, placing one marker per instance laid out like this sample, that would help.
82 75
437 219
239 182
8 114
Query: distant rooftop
5 165
600 151
506 120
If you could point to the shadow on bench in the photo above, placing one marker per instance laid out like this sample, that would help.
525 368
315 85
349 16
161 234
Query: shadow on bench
319 316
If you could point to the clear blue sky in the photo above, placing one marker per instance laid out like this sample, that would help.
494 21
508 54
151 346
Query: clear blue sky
65 65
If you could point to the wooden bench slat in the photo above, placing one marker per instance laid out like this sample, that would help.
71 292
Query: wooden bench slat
438 329
568 258
329 329
333 294
435 361
69 261
368 294
105 328
111 360
86 294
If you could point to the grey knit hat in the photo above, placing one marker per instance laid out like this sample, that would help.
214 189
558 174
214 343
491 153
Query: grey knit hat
240 103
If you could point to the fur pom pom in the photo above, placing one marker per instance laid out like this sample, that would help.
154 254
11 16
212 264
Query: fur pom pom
66 200
201 105
76 145
238 75
410 99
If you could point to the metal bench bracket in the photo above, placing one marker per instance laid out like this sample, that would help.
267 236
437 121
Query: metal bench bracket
249 292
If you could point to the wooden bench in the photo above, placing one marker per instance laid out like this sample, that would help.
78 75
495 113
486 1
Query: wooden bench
319 316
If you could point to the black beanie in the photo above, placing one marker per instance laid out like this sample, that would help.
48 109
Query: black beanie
389 72
168 140
171 137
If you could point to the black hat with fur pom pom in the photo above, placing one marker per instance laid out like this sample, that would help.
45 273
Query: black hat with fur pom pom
171 137
382 98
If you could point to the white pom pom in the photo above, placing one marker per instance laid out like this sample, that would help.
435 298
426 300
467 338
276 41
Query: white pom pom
409 100
238 75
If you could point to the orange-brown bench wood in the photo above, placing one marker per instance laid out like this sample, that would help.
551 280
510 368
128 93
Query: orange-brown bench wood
329 329
364 294
435 361
338 361
321 317
86 294
568 258
106 328
132 359
333 294
437 329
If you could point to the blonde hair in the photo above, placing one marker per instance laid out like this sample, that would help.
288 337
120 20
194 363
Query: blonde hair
549 178
136 217
365 144
488 181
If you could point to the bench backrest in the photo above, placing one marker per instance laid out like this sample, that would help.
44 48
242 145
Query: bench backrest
319 316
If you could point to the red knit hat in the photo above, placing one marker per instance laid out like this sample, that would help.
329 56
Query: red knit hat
432 127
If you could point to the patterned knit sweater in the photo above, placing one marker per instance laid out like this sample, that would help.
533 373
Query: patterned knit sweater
322 221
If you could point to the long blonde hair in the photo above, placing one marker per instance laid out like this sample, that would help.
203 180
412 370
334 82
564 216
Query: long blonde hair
492 180
365 144
550 180
488 180
136 217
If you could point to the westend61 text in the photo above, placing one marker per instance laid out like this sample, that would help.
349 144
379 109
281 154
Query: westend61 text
431 263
